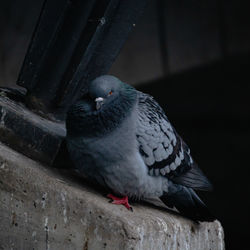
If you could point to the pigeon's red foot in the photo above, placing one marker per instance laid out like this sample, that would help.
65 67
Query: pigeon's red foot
120 201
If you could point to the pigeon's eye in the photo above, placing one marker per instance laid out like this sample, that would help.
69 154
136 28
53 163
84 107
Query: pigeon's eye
110 92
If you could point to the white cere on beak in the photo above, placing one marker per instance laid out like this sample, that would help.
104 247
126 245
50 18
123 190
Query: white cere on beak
99 101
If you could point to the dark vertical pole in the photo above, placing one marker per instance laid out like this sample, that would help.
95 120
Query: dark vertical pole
74 42
161 11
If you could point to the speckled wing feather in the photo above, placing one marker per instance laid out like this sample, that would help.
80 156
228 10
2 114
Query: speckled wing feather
162 149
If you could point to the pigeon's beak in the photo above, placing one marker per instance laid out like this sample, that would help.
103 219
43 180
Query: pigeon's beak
99 101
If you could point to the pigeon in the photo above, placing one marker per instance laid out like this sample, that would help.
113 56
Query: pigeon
121 139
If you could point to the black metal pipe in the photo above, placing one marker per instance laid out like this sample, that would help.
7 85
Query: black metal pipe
162 31
74 42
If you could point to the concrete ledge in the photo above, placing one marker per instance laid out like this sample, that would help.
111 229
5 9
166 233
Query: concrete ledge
27 132
40 209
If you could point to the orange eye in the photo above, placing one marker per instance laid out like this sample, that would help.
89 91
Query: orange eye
110 92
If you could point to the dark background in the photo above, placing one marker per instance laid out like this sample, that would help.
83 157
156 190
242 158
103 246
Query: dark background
193 57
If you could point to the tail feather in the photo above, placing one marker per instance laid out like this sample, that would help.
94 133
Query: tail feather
187 202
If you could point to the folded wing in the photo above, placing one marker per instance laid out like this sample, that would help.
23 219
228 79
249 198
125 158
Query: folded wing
163 150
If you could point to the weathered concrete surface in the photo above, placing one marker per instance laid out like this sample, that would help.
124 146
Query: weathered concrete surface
40 209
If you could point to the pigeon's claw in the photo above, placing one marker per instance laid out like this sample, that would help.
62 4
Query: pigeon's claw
120 201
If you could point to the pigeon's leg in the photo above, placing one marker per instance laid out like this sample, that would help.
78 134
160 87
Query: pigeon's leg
120 201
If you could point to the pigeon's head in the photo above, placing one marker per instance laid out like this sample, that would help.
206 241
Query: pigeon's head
107 102
104 89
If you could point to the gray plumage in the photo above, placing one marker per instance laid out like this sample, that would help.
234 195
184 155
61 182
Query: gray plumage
122 139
